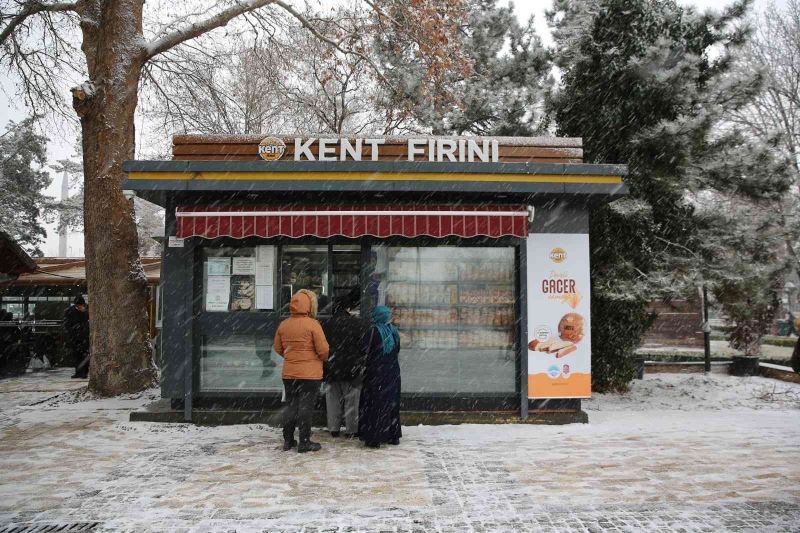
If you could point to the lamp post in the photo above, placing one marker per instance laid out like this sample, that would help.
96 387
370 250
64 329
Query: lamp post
706 332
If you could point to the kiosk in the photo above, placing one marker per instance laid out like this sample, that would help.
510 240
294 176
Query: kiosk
478 245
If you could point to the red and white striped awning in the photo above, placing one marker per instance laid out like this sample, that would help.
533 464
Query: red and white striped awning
351 221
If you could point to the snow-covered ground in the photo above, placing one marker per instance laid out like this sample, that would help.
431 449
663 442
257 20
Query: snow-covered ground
769 352
692 392
679 452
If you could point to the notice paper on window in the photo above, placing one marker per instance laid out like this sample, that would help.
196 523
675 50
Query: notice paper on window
244 266
264 297
264 275
218 293
265 255
219 266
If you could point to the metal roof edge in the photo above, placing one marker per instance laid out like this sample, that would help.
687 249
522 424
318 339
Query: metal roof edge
375 166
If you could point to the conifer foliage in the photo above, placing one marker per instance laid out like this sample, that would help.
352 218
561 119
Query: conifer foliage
648 83
23 178
497 87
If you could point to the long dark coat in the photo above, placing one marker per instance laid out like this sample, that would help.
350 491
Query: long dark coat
344 333
76 334
379 409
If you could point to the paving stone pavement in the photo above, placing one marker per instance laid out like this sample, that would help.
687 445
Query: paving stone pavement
79 463
671 518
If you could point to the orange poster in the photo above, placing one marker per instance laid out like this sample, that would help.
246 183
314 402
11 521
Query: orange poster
559 339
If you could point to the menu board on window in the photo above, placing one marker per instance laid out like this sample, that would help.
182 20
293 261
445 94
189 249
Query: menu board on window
559 330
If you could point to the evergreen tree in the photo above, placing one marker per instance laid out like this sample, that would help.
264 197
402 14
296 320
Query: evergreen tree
503 91
648 83
23 155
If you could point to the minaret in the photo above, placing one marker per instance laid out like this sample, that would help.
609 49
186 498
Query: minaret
62 231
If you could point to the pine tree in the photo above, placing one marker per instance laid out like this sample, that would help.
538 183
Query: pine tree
648 83
502 93
23 155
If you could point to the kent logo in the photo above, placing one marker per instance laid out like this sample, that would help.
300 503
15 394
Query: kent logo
271 148
558 255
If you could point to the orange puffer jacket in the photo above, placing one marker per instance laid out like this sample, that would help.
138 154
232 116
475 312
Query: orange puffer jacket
300 340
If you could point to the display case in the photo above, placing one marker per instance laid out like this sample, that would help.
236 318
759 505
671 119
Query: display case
452 305
454 308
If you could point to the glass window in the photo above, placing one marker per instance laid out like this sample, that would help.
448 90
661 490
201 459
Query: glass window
303 267
16 309
346 261
159 306
229 279
454 307
239 362
49 310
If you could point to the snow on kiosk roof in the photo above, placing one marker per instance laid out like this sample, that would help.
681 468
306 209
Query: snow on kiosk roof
479 245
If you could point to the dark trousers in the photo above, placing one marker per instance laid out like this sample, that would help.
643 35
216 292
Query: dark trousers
80 355
301 395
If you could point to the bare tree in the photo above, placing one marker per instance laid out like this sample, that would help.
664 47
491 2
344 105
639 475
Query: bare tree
288 82
38 40
774 114
230 90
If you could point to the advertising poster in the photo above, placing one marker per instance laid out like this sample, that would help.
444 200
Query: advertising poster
243 293
559 324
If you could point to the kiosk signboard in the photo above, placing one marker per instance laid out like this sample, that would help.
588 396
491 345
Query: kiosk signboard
559 338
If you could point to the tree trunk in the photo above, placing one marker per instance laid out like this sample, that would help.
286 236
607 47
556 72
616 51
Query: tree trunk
121 357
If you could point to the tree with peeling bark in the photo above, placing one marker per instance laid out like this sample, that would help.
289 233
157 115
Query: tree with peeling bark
37 40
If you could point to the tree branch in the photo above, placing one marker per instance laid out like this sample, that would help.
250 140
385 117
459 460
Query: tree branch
316 33
199 28
31 8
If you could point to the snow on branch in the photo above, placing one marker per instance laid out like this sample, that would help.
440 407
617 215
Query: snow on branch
199 28
337 46
31 8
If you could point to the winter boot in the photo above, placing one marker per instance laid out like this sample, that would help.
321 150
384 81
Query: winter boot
289 444
308 446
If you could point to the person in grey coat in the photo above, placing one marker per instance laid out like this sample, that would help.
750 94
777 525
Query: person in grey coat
344 369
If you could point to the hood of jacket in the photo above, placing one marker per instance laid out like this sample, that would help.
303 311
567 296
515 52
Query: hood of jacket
304 302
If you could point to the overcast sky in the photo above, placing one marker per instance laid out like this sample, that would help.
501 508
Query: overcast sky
61 143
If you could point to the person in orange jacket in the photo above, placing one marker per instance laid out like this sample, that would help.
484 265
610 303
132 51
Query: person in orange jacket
302 344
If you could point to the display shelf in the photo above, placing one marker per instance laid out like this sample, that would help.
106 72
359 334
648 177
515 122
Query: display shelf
507 284
423 282
448 306
447 260
460 349
452 327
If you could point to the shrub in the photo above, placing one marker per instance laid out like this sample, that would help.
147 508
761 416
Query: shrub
617 328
